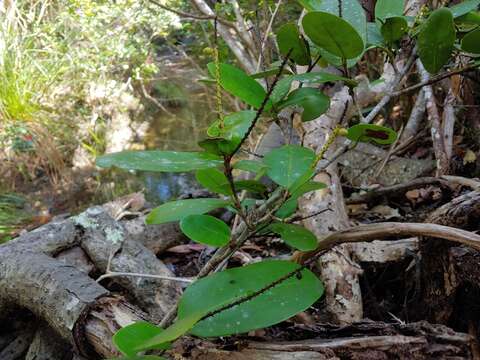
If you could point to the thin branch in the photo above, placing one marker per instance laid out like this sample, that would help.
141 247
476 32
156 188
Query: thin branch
149 276
267 32
436 79
192 16
387 230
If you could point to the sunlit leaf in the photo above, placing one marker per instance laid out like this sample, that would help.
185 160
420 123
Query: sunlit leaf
289 39
372 133
436 40
161 161
129 337
464 7
333 34
313 102
288 163
177 210
296 236
205 229
239 84
272 306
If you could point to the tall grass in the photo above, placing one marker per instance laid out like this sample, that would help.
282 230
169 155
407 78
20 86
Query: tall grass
12 215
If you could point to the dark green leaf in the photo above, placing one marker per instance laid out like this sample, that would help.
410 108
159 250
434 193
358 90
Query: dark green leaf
239 84
296 236
389 8
177 210
288 163
249 165
272 306
161 161
270 72
129 337
251 185
289 38
306 188
471 42
369 132
313 102
206 229
287 209
281 89
394 28
214 180
464 7
333 34
436 40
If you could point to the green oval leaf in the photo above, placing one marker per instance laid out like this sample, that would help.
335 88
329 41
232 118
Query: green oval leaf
272 306
161 161
128 338
296 236
288 163
471 42
394 28
250 165
436 40
369 132
206 229
313 102
235 125
464 7
287 209
177 210
333 34
251 185
239 84
389 8
214 180
289 38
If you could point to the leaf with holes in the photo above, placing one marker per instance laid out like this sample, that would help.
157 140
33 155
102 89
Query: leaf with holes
205 229
313 102
296 236
372 133
288 163
239 84
129 337
177 210
333 34
263 307
290 39
436 40
161 161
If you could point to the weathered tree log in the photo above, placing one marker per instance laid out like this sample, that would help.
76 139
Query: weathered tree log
366 340
443 264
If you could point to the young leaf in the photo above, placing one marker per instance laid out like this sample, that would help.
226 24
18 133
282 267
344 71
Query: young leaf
179 328
394 28
313 102
288 163
464 7
269 307
214 180
205 229
471 42
249 165
177 210
161 161
369 132
436 40
289 38
333 34
389 8
235 126
129 337
295 235
239 84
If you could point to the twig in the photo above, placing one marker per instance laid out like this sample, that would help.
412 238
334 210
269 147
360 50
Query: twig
149 276
192 16
267 32
386 230
389 154
435 79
